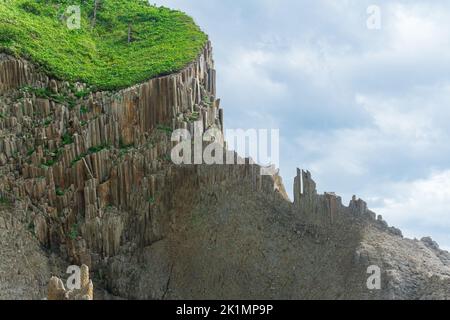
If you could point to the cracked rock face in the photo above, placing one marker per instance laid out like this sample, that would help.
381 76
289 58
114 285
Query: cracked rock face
86 178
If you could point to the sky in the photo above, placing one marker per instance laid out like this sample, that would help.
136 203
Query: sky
365 109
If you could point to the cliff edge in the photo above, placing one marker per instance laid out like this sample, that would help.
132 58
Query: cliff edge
86 179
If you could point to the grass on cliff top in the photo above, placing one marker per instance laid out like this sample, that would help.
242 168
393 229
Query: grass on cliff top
162 40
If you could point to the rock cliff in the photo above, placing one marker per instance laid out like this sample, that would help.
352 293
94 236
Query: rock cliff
86 178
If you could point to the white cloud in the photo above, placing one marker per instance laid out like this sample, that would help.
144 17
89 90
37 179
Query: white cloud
418 28
421 206
427 200
366 111
246 70
391 161
406 119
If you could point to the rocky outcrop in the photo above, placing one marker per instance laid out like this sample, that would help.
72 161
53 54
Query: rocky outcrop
25 265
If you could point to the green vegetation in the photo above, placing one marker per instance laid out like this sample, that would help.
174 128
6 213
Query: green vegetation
31 227
165 129
78 158
124 149
4 201
73 235
84 110
66 139
91 150
50 163
55 156
194 117
47 122
97 149
206 100
45 93
30 152
129 42
39 92
82 93
59 192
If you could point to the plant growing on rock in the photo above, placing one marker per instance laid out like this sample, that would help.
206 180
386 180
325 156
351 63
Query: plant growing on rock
112 52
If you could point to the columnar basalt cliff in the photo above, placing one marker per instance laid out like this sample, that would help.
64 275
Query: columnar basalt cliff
91 173
327 209
80 161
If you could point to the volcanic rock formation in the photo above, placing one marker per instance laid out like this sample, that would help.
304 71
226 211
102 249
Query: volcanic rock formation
86 178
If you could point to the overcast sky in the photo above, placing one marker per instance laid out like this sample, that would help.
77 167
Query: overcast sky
366 111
